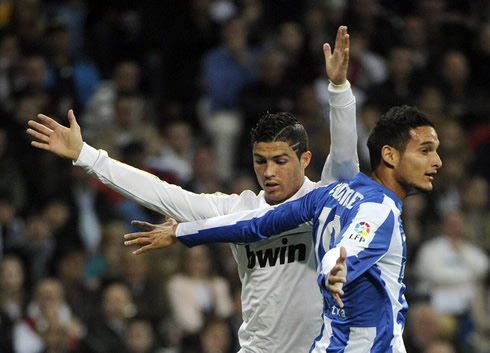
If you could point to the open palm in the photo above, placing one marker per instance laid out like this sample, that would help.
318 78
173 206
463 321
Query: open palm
56 138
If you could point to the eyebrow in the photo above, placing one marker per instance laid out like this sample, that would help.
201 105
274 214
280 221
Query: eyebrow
428 143
273 157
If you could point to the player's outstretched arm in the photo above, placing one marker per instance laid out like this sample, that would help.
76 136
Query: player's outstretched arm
337 62
156 236
337 277
56 138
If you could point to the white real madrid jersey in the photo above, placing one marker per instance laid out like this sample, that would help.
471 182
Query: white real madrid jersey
281 303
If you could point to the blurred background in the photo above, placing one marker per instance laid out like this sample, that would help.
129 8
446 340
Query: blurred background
173 87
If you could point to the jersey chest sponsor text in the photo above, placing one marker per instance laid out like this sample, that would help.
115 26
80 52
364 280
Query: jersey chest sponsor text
281 255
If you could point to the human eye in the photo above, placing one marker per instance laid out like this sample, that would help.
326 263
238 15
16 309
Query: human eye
259 161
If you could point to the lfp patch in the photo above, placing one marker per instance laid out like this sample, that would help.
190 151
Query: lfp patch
362 228
361 232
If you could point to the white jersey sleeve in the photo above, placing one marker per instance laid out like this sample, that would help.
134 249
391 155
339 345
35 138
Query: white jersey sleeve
152 192
342 163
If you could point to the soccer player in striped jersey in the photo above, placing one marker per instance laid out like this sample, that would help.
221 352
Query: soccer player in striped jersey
359 243
278 316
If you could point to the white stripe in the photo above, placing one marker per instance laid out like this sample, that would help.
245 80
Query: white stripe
322 344
361 340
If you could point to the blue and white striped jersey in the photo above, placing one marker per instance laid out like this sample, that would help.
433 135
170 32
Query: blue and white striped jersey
267 300
364 217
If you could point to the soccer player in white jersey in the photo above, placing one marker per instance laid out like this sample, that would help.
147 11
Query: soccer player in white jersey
358 237
281 304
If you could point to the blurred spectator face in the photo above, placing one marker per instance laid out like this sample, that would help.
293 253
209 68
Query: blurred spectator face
399 62
204 163
475 194
430 101
117 302
29 106
124 107
452 136
179 136
56 337
484 38
134 267
291 37
59 38
9 51
11 274
37 230
413 33
364 8
140 336
198 263
127 76
27 11
454 170
49 295
72 265
34 70
235 35
7 211
215 337
271 66
424 323
357 45
369 116
453 225
455 68
56 213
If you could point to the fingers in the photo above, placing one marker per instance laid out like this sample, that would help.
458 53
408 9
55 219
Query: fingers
135 239
71 118
327 51
49 122
43 129
37 135
143 249
338 300
343 254
144 225
42 146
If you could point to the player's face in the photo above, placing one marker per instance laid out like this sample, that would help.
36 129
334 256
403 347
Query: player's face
419 163
279 171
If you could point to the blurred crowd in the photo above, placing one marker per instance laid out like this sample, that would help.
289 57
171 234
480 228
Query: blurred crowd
173 87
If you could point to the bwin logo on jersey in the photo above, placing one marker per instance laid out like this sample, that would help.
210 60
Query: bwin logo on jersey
276 256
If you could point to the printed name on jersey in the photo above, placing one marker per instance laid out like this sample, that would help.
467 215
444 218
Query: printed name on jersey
361 232
276 256
345 195
338 311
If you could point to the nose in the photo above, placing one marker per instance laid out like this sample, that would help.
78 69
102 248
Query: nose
270 169
438 161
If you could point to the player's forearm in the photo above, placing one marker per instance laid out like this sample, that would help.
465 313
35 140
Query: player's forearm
147 189
343 161
244 227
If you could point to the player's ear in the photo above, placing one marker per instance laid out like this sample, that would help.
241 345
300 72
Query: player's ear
389 156
305 159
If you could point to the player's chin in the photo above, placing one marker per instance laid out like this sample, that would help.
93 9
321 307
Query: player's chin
424 188
413 188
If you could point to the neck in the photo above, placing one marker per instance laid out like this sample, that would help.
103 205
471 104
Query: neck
386 179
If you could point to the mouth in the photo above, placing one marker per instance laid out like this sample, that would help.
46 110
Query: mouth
271 186
431 175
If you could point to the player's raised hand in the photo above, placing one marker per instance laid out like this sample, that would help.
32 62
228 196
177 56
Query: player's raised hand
337 62
56 138
337 277
156 236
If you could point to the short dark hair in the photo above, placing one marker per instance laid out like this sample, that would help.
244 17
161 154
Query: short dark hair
393 129
282 126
